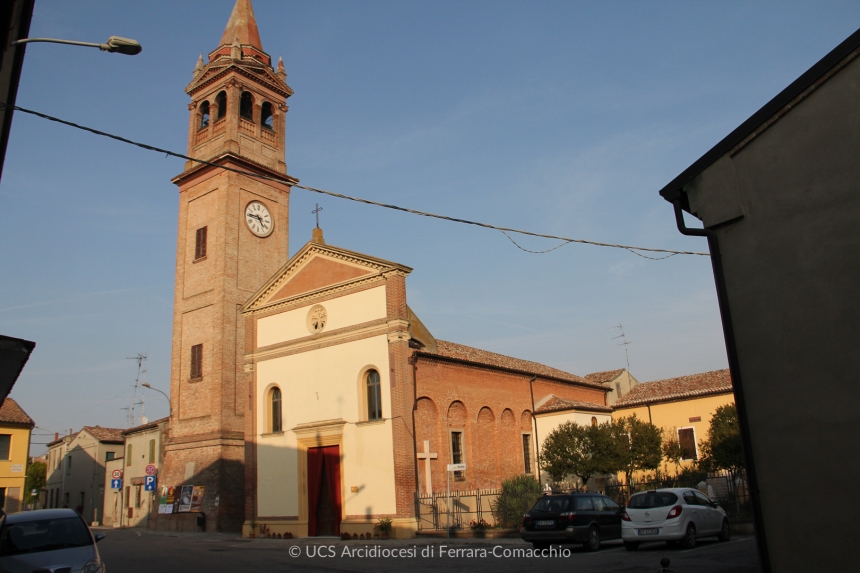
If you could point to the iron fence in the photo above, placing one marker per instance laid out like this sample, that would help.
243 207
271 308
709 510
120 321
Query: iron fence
729 491
466 507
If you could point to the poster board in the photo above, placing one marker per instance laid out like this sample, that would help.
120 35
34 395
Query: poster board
197 498
185 497
167 500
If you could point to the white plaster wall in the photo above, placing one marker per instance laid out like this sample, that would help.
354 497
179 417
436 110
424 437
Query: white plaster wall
344 311
318 385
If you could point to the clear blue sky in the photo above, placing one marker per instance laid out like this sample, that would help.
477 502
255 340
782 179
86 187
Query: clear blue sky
557 117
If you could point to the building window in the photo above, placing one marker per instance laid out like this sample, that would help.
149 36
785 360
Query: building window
457 453
197 361
128 455
687 439
204 115
137 496
221 102
152 451
200 243
246 105
527 453
275 403
374 395
109 456
66 499
69 465
5 446
266 118
593 421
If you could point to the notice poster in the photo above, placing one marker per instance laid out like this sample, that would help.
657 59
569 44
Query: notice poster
185 496
162 500
197 498
167 499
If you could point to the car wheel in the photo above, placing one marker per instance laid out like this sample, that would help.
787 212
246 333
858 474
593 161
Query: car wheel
689 540
631 545
540 545
593 541
725 531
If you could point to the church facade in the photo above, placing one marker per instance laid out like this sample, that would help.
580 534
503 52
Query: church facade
306 395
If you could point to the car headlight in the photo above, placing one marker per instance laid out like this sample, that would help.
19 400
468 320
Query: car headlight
92 566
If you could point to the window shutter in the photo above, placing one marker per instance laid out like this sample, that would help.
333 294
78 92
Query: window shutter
196 361
687 439
152 451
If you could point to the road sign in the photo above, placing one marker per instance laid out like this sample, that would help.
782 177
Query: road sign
116 483
456 467
116 474
149 483
151 470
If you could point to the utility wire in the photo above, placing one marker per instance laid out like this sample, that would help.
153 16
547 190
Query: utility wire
504 230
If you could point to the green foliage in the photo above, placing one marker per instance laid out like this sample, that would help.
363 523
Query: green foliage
518 495
640 445
36 473
383 525
723 450
672 449
583 451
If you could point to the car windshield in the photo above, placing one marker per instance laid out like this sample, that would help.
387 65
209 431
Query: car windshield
43 535
651 499
552 504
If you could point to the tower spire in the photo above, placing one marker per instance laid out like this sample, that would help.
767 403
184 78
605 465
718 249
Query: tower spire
242 25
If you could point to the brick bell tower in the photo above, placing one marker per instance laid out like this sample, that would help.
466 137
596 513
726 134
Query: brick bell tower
232 237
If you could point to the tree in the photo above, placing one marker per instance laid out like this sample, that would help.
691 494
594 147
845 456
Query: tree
639 445
724 450
518 495
570 450
36 473
672 449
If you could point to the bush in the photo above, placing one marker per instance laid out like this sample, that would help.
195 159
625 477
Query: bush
518 496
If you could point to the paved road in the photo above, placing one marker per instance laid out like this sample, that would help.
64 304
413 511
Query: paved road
140 551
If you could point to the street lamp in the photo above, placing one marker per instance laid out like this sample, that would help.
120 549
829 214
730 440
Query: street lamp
117 44
169 407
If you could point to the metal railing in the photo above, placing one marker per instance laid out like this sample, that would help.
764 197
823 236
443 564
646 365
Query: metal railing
467 507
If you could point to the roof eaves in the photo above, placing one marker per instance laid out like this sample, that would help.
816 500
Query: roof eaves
674 189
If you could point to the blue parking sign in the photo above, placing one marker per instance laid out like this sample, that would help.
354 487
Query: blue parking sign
116 483
149 483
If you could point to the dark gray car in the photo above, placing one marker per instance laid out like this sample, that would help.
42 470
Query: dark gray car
50 540
586 518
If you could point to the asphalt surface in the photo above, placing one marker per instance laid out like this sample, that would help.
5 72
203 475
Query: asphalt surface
142 551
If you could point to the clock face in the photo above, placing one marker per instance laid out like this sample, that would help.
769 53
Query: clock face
258 219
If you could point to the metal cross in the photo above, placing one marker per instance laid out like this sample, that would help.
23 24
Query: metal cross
317 213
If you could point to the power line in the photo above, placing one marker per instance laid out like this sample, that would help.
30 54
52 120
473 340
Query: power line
505 230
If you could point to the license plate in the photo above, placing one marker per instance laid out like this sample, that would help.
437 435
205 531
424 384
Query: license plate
649 531
545 523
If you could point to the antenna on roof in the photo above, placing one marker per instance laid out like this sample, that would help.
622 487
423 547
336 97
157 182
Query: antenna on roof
141 377
624 343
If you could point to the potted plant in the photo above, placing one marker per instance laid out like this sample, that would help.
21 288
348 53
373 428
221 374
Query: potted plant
253 533
383 526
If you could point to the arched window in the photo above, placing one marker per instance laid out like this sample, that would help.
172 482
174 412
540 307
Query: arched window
593 421
221 102
266 119
374 395
246 105
204 115
275 404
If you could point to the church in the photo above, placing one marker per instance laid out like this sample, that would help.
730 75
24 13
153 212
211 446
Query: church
306 394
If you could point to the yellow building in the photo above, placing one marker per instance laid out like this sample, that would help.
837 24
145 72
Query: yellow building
15 428
683 406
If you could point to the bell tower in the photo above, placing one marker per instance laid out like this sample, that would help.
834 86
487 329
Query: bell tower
232 237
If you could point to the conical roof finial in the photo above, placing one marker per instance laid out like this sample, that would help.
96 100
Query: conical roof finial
242 25
281 64
199 65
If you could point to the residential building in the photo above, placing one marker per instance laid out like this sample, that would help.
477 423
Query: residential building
15 429
76 468
131 506
620 382
778 201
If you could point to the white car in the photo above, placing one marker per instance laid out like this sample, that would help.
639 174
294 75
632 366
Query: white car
48 540
678 514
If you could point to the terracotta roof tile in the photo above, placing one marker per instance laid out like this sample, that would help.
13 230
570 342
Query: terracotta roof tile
471 354
601 377
555 404
146 426
690 386
105 434
12 413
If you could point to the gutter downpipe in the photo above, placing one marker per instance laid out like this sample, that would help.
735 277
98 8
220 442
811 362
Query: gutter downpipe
534 421
735 371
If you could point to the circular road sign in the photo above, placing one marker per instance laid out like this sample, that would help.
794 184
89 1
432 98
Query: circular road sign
151 470
116 474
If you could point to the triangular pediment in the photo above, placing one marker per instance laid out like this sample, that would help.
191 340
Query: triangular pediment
316 269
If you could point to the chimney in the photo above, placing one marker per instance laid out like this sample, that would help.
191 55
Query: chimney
56 436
